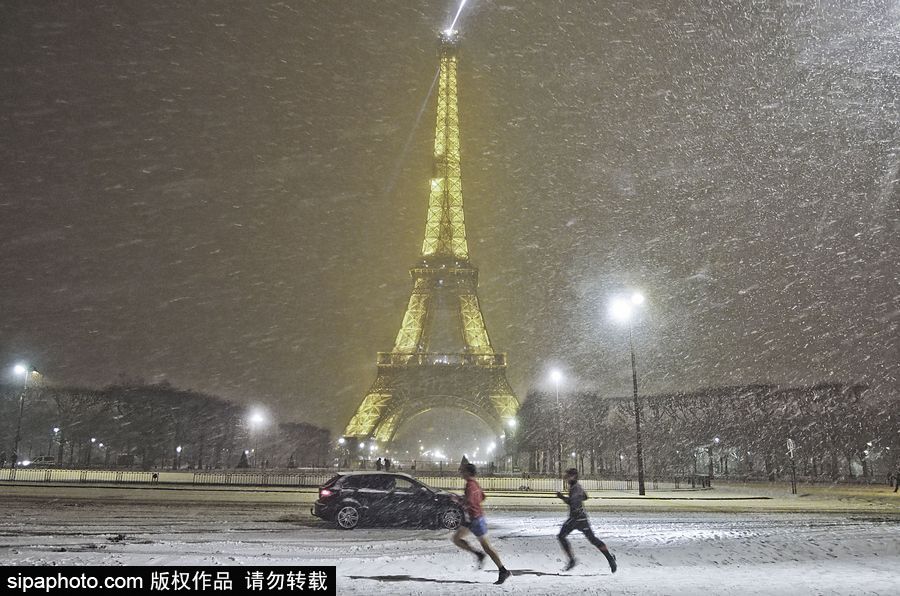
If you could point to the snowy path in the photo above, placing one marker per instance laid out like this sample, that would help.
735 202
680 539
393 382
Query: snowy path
658 553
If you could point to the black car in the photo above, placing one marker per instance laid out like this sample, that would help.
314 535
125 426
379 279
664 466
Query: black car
385 498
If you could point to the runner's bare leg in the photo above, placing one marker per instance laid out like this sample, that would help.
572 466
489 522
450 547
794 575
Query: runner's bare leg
490 552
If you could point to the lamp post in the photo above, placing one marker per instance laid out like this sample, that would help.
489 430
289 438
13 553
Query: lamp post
257 422
557 377
344 461
25 371
622 310
512 444
90 450
714 443
791 446
55 431
105 449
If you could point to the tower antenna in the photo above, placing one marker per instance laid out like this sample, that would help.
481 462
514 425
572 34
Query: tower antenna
449 30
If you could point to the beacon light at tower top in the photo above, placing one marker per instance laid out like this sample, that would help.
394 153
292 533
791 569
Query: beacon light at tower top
449 36
450 31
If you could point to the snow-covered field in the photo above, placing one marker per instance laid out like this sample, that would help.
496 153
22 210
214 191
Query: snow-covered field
658 552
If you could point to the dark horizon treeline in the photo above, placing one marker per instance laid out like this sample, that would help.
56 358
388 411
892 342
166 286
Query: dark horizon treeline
840 432
141 426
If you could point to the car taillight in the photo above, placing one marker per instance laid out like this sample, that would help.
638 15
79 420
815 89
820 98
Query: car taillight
325 493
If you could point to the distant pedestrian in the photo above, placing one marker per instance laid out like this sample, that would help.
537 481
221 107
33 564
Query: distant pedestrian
897 479
474 515
378 464
578 520
387 465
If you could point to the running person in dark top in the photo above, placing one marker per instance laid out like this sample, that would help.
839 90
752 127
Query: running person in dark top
477 524
578 520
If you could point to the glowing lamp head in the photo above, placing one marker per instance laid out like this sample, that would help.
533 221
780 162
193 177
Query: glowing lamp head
556 376
620 309
20 369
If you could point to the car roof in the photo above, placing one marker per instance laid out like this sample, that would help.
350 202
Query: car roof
364 473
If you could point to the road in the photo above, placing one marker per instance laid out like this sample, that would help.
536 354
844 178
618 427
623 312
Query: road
659 552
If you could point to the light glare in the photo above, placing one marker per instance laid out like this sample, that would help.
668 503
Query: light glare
620 309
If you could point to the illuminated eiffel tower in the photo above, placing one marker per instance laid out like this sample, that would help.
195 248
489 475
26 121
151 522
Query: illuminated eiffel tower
442 356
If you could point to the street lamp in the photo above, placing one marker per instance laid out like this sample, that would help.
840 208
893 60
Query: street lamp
257 422
715 443
343 453
54 432
24 371
90 450
622 310
557 376
106 452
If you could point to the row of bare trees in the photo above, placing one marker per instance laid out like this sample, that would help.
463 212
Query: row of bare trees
837 430
148 427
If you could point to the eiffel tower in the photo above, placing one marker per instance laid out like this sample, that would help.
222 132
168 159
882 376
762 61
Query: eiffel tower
442 356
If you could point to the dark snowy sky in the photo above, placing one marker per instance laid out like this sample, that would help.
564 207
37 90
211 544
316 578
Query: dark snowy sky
229 195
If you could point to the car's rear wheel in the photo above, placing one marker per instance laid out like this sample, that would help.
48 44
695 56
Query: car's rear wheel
347 517
450 518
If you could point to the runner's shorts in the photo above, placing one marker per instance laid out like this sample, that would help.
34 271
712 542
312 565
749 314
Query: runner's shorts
478 526
580 523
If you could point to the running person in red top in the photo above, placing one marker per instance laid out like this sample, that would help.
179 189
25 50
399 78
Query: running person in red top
477 525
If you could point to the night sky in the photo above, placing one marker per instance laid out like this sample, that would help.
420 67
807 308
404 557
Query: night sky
228 196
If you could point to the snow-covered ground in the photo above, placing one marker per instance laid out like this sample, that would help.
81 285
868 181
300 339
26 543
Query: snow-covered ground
658 552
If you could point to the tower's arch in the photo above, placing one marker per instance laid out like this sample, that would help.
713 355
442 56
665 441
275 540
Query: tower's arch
409 409
457 430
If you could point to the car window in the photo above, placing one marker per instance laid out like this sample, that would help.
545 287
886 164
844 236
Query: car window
383 482
354 482
369 482
404 485
350 482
